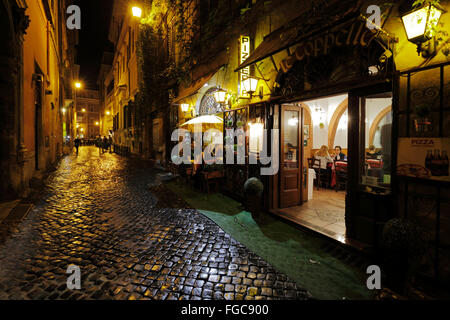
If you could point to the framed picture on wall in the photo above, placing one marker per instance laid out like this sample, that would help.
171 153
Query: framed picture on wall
306 132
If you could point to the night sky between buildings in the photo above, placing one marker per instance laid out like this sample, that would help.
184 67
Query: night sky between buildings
93 38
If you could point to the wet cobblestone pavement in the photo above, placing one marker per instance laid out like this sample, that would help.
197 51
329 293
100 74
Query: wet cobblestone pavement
97 212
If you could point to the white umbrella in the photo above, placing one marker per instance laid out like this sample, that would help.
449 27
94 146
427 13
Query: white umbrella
204 120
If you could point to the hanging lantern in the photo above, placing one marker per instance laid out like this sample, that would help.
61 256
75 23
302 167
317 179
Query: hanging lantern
221 96
420 24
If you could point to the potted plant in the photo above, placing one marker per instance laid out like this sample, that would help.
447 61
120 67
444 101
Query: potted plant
321 125
404 244
422 124
253 190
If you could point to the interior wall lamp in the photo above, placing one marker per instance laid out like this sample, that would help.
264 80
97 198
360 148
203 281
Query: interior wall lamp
420 26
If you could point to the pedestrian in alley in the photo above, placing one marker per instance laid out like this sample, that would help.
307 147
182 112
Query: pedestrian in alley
110 144
77 143
105 144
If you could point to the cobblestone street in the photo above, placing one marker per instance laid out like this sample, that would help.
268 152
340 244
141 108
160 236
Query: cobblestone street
97 212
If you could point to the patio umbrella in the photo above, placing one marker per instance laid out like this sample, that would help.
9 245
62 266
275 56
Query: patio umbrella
206 122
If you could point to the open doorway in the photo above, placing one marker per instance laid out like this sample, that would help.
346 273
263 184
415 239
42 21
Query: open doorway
315 162
323 154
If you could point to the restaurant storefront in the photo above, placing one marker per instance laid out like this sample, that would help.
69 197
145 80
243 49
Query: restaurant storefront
327 80
333 89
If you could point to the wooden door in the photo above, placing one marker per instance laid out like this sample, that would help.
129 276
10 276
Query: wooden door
291 154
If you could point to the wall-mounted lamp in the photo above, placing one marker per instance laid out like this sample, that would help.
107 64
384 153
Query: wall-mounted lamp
184 107
420 25
221 96
63 110
250 84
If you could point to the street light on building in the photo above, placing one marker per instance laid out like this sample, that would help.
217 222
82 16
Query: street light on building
250 84
78 85
420 25
137 12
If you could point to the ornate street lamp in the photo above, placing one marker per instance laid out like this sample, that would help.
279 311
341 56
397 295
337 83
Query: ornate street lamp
420 26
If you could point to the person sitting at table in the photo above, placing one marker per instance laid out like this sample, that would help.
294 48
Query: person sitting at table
325 171
372 153
324 157
338 155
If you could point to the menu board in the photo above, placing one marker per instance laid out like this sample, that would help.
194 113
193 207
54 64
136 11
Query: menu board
425 158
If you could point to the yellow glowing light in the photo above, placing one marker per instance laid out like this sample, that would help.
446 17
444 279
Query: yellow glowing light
97 123
78 85
220 96
82 129
108 113
137 12
256 137
63 110
419 24
184 107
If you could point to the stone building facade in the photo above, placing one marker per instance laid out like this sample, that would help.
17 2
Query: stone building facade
36 58
88 113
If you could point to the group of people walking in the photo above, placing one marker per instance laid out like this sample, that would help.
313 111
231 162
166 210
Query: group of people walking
104 144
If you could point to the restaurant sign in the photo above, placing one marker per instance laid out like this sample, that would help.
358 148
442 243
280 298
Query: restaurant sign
353 33
245 72
425 158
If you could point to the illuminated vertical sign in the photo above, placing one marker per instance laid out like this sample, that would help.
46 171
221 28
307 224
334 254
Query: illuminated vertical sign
245 72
